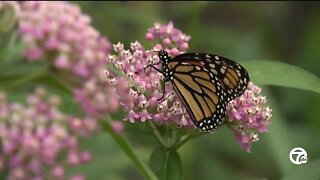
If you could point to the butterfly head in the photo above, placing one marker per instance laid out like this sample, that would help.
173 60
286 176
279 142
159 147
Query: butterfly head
164 56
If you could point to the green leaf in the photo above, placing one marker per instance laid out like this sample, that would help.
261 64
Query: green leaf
281 74
12 52
278 138
128 150
107 159
4 174
310 170
22 68
166 164
21 80
15 74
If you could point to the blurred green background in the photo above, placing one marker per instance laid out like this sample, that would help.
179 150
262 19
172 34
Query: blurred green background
244 31
275 31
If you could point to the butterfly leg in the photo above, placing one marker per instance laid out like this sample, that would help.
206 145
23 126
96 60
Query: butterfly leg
152 65
164 89
165 80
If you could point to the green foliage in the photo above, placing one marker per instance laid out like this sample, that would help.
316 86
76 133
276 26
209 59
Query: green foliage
128 150
276 31
166 164
306 171
281 74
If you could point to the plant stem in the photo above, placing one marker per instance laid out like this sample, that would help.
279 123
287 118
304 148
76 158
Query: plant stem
128 150
26 79
65 86
188 137
158 135
174 139
13 39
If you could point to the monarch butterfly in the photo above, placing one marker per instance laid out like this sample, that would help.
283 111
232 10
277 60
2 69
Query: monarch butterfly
204 83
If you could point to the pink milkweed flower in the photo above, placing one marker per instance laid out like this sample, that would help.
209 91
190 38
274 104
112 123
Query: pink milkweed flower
34 135
249 115
60 32
140 89
98 96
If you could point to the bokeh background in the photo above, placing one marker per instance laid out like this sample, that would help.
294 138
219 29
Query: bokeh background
276 31
244 31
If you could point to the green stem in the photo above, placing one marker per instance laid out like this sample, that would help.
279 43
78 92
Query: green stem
26 79
65 86
13 39
158 135
191 136
188 137
128 150
173 137
11 49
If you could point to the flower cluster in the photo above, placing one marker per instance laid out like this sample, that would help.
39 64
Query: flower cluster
248 115
168 38
59 31
140 89
37 140
97 96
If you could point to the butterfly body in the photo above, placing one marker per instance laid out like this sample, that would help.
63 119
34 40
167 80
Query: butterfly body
205 83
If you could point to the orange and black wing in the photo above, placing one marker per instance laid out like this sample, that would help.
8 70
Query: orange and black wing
233 77
201 93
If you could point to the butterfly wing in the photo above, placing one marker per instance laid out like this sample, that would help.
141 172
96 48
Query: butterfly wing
233 77
201 93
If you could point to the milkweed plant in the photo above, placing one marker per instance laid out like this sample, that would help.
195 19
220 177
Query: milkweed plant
109 85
